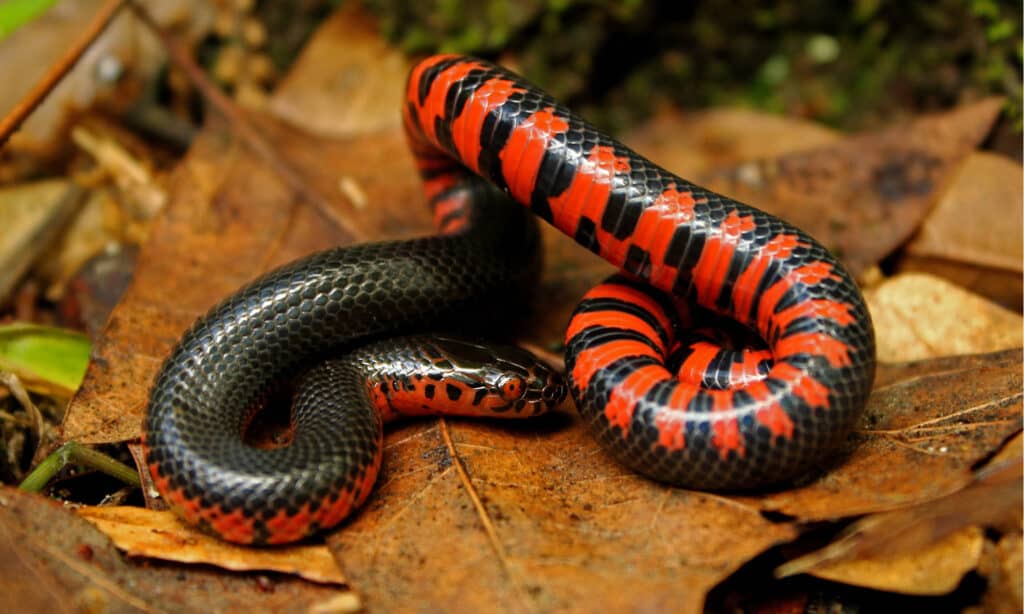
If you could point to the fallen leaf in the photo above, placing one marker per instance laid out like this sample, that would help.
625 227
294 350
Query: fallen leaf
919 316
924 549
72 567
347 80
979 218
692 143
864 196
934 570
973 237
162 535
537 517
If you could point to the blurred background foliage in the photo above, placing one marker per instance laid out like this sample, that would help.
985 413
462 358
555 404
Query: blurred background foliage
849 64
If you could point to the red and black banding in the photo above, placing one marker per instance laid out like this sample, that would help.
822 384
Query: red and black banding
750 420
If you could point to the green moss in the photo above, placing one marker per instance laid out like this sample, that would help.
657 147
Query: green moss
847 64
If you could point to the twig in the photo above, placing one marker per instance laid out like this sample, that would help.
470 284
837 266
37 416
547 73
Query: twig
12 121
243 128
73 452
14 385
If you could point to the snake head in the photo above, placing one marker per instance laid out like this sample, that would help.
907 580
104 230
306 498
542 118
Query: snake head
506 380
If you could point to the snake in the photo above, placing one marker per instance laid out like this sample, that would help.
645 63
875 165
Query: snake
659 389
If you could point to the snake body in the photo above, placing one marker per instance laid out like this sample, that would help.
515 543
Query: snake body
678 410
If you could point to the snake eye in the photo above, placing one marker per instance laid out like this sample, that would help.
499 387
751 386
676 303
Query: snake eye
512 388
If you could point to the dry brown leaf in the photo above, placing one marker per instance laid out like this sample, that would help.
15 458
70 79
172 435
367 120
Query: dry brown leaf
924 549
919 316
865 195
692 143
979 219
162 535
347 81
973 236
537 517
53 561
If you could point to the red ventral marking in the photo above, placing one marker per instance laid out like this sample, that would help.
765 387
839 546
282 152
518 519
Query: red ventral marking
713 266
724 426
696 364
433 106
286 528
819 344
587 196
524 151
339 505
671 420
433 186
744 291
769 412
623 398
451 214
633 296
233 526
747 370
804 386
815 308
809 275
592 360
613 319
655 229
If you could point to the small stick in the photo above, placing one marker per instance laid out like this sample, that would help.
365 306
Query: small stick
13 120
73 452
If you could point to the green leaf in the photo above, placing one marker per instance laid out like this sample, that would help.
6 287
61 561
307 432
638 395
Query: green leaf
54 355
16 13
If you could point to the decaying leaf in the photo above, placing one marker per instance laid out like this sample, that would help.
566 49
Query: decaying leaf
695 143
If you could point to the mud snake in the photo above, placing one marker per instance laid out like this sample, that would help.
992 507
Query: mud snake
679 409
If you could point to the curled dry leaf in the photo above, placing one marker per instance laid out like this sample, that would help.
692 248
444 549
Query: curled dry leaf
921 316
924 549
161 535
934 570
